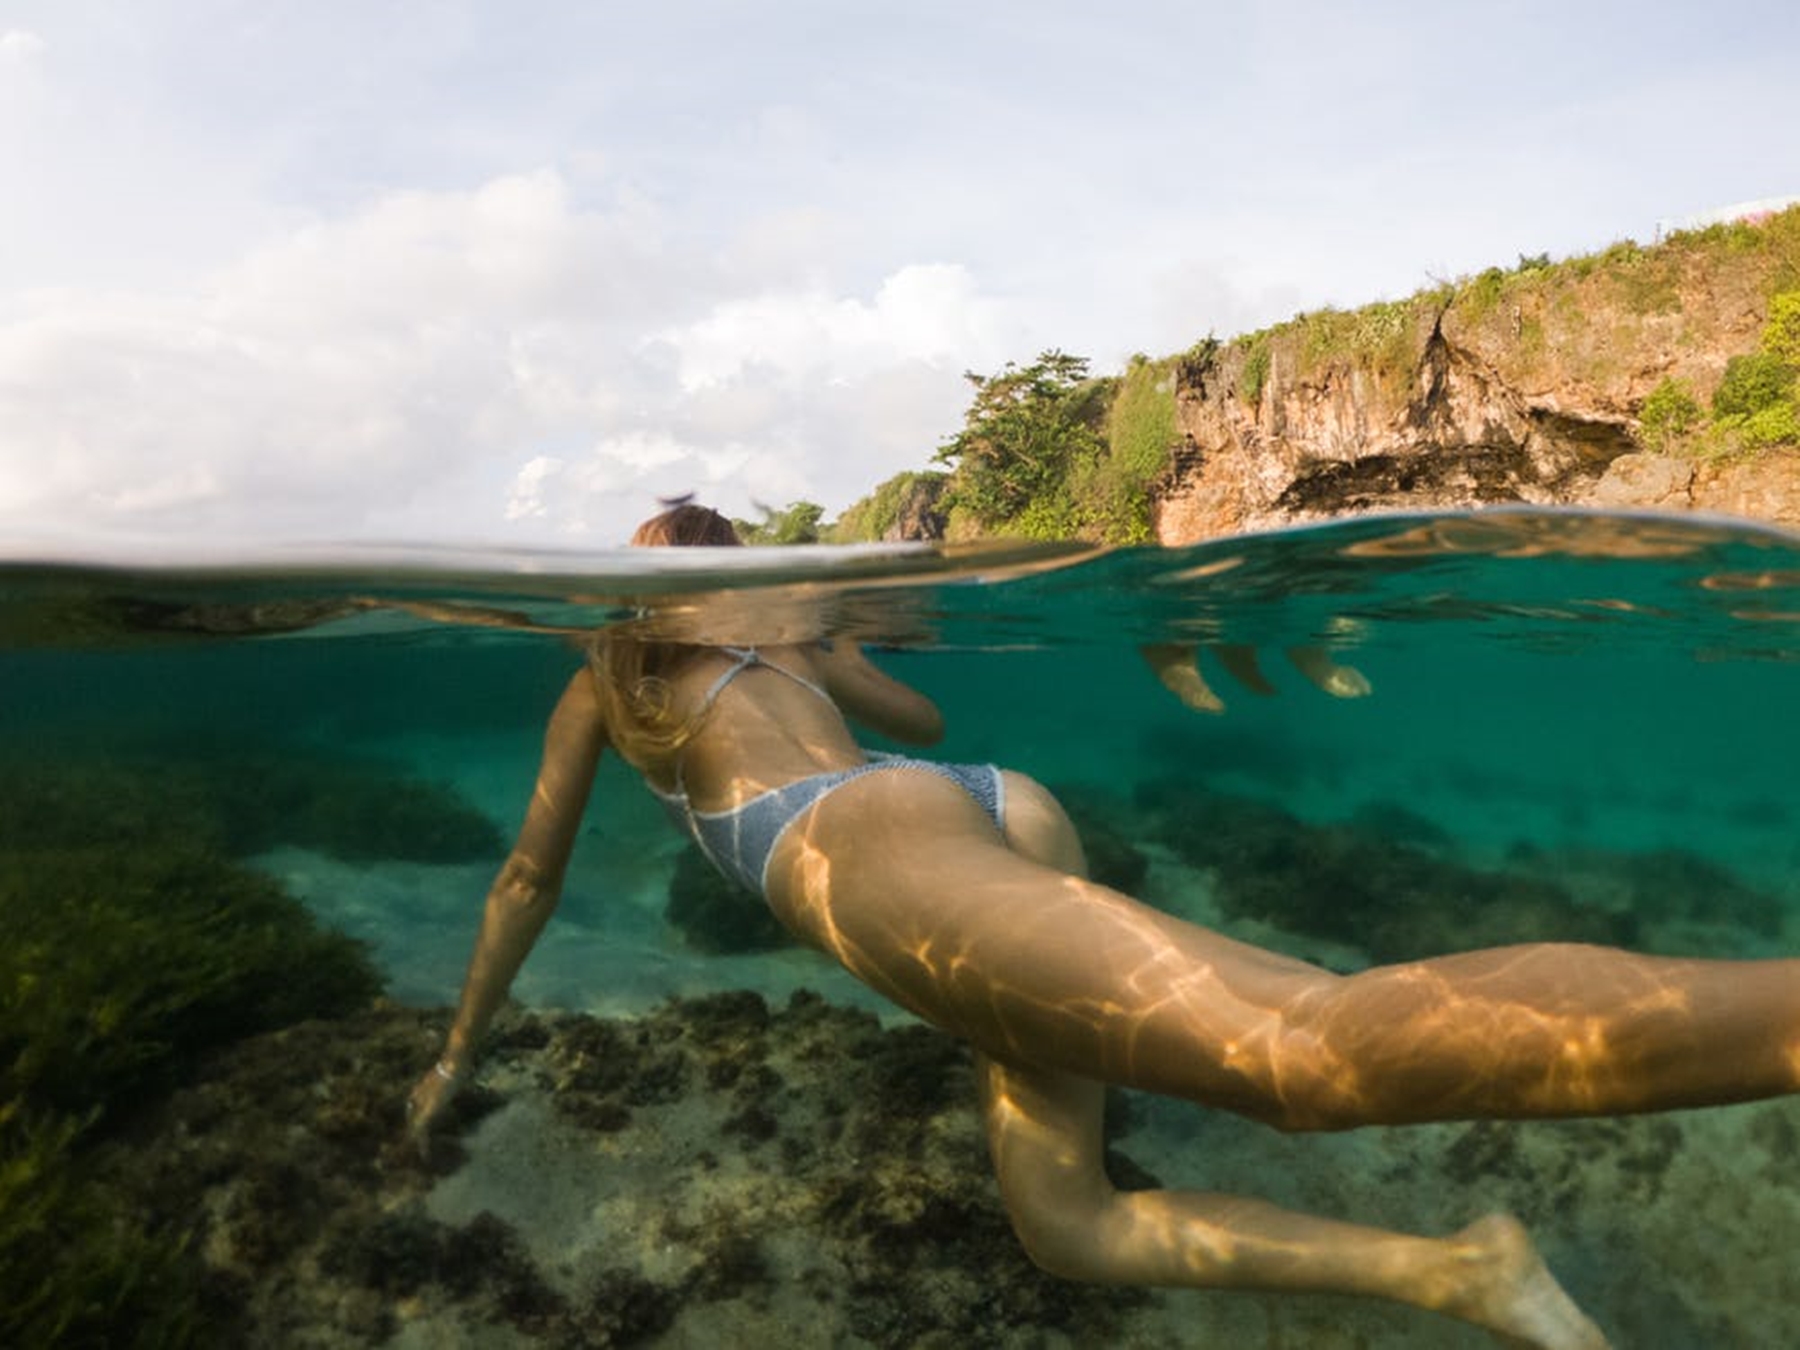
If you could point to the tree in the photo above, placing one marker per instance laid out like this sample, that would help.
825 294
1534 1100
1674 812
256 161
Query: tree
796 523
1027 427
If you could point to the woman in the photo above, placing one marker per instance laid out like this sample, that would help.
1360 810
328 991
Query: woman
960 893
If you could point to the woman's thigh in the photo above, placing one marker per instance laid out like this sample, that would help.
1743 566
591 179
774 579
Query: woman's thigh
902 877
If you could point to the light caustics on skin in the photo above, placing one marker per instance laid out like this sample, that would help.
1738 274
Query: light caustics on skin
1048 1151
1045 969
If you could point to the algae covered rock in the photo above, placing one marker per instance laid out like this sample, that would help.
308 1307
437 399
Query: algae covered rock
133 947
714 914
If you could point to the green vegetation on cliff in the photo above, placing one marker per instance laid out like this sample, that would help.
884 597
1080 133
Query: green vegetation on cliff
1030 435
795 523
1756 404
871 518
1049 450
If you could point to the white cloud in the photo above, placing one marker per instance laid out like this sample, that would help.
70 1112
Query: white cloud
17 46
471 365
923 312
526 500
279 273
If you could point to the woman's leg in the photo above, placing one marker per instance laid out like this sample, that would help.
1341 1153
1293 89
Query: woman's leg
899 875
1046 1134
1044 1129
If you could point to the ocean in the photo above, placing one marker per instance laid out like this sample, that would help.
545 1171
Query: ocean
1567 726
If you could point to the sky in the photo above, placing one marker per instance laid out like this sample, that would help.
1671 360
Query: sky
501 274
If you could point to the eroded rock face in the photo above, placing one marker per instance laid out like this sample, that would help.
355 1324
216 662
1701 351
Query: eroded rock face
1462 400
921 516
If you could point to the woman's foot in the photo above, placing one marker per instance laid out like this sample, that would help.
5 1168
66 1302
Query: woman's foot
1508 1289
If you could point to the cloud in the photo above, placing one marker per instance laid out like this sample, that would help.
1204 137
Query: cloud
18 47
926 312
503 363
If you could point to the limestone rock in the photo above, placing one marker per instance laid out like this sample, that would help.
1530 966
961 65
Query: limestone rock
1523 393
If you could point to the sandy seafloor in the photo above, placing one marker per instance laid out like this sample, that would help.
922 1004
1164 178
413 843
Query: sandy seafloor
1675 1230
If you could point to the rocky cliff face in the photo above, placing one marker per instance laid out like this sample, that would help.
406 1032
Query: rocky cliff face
1525 387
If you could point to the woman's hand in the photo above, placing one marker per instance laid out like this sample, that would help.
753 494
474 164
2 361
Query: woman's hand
435 1091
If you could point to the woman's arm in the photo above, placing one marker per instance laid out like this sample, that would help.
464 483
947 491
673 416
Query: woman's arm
876 700
525 893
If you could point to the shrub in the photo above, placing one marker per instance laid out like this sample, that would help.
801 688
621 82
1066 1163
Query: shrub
1781 335
1777 424
1197 361
795 523
1479 296
1050 515
1753 382
1256 370
1114 493
873 516
1669 413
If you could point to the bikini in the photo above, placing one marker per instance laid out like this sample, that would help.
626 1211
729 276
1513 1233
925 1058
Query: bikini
740 842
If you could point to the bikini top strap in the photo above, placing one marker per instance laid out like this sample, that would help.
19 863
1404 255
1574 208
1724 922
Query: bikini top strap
743 658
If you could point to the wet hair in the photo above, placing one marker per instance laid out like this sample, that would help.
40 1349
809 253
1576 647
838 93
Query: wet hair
631 675
686 524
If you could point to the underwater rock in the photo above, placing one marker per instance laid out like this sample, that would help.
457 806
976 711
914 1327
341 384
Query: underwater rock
867 1193
714 914
868 1216
1711 910
132 949
1112 858
241 800
121 964
353 809
1361 886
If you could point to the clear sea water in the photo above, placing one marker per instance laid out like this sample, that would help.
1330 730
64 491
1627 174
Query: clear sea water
1545 686
1540 680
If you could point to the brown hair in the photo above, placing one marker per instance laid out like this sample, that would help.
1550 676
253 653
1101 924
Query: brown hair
631 675
686 525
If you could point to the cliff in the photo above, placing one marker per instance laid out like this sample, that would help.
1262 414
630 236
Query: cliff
1527 386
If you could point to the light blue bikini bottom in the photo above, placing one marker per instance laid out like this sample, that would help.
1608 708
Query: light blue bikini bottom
741 841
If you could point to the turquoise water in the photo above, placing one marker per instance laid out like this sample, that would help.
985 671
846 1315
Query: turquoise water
1603 704
1540 680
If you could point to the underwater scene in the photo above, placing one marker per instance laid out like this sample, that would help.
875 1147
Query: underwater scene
251 808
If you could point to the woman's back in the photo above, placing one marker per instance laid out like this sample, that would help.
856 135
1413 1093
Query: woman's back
765 717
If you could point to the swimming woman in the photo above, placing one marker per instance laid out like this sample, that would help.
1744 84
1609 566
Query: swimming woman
960 893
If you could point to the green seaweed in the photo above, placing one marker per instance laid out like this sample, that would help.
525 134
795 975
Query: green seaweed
73 1270
124 964
133 946
242 801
